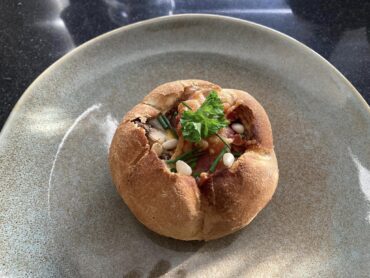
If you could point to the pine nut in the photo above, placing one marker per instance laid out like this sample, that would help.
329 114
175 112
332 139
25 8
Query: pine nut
228 159
239 128
170 144
183 168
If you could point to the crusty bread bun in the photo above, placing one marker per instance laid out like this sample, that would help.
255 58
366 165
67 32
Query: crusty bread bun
177 205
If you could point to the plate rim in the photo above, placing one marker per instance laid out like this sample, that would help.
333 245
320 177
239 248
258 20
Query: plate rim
28 92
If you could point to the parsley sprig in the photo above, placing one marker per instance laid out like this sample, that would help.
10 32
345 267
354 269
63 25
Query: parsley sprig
204 122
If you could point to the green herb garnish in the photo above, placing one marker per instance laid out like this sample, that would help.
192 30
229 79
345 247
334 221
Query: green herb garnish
223 141
196 174
165 123
186 105
218 158
204 122
195 153
162 121
193 164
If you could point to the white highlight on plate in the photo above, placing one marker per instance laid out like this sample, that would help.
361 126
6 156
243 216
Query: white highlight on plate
251 11
108 128
363 177
70 129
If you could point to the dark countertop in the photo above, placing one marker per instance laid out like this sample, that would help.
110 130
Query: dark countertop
35 33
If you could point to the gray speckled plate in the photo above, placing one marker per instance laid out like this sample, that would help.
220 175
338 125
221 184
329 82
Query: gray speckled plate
60 215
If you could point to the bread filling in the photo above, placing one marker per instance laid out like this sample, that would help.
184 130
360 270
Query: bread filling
208 138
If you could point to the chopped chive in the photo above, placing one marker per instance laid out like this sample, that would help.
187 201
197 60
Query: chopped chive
218 158
193 164
196 155
173 130
192 159
187 155
186 105
183 156
162 121
166 121
196 174
222 139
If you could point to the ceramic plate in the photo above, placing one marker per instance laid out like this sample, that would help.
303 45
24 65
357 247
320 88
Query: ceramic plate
60 215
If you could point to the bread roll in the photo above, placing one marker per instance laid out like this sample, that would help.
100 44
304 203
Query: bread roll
181 206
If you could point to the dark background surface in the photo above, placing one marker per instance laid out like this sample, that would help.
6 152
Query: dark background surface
35 33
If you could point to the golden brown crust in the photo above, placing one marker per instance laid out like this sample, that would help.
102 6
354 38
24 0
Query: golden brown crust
172 204
233 198
141 111
165 96
166 202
